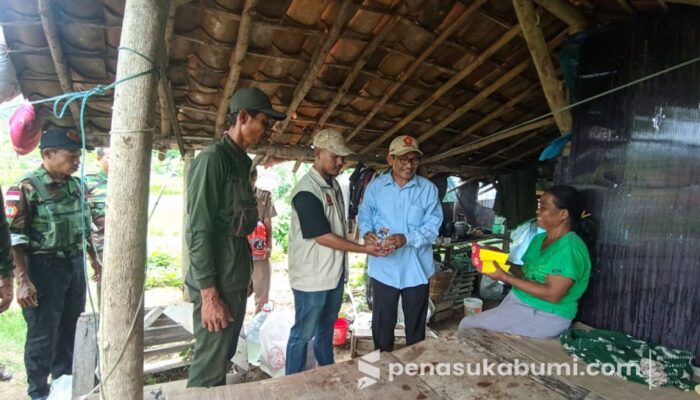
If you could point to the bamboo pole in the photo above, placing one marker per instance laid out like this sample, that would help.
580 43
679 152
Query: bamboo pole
458 23
470 147
466 71
48 24
490 117
133 124
236 66
314 67
551 85
184 250
566 12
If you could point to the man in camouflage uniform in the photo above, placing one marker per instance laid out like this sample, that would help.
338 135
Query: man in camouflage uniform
47 228
6 264
6 267
96 185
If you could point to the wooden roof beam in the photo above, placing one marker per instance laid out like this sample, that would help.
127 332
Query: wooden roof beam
357 68
553 88
627 7
497 45
688 2
490 117
526 154
512 146
59 61
314 67
457 24
164 84
483 142
236 66
481 96
566 12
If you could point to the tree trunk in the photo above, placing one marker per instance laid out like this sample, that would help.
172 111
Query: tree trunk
133 125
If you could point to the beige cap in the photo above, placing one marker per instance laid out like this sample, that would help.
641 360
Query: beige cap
333 141
403 145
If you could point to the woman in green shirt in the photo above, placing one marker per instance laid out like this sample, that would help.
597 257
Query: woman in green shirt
555 275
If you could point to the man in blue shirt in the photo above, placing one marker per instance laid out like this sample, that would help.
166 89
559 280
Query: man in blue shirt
400 211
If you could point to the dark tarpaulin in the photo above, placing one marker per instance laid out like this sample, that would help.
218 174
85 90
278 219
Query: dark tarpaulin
636 154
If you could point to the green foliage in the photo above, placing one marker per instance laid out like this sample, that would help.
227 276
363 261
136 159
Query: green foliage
13 331
163 271
280 231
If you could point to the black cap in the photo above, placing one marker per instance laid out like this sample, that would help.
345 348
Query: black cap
254 99
60 138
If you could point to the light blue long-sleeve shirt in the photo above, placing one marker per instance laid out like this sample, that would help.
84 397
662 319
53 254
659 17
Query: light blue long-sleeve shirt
413 210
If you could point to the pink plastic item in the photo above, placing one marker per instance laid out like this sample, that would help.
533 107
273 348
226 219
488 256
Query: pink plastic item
25 131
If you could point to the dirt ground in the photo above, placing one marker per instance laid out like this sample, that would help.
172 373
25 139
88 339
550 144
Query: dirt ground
280 293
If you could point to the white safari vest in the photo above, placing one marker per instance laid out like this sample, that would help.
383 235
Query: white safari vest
313 267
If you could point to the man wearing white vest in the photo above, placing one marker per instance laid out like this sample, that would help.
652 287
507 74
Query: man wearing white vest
318 264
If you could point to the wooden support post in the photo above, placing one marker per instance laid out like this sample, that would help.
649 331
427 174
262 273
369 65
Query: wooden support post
236 65
566 12
467 148
59 61
553 88
457 24
184 251
314 67
466 71
296 166
133 124
85 356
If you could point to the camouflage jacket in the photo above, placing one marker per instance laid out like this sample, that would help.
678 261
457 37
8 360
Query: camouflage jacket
96 185
46 224
6 265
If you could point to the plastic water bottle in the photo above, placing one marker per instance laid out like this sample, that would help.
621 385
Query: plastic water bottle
253 335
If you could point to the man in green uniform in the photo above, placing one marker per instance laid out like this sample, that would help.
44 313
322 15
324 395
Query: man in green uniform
6 264
221 213
96 186
47 227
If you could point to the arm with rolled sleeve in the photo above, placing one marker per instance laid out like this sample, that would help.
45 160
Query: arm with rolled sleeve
367 211
205 179
430 224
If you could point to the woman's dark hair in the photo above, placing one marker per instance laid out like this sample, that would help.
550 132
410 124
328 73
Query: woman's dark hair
568 198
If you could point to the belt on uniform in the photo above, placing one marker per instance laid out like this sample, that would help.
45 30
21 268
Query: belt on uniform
57 254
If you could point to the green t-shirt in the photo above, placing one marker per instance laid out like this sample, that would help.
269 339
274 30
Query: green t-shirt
567 257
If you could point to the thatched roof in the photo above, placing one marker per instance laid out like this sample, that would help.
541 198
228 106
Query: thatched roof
448 72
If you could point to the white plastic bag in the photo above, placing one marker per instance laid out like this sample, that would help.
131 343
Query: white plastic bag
274 335
62 388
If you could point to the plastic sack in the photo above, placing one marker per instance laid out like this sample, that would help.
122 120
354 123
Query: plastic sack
62 388
25 131
274 335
